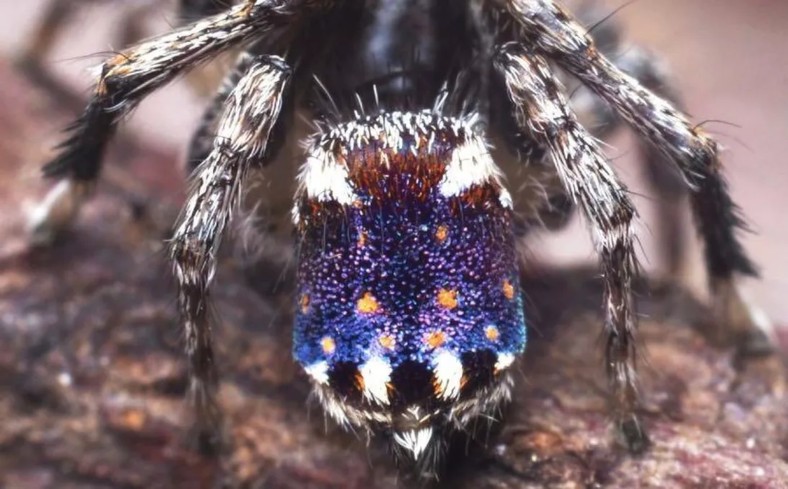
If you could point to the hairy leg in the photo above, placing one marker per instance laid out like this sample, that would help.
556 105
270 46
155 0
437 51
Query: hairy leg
541 110
660 173
265 245
664 178
551 208
555 33
201 142
131 75
244 128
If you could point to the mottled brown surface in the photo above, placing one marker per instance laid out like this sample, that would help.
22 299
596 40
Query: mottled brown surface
92 378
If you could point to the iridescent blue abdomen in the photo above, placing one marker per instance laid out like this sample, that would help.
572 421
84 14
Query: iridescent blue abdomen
408 295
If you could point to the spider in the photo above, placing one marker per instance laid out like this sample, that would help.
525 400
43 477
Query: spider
409 314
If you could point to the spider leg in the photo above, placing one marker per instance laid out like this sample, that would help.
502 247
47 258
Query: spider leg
243 132
553 31
128 77
662 176
540 109
201 142
660 173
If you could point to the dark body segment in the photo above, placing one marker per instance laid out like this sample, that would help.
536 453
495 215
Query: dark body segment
391 54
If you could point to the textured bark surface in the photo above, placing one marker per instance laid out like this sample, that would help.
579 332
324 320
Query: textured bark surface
92 379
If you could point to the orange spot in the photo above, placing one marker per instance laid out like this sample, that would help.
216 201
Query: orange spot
492 333
368 304
362 239
304 303
360 381
387 341
508 289
328 344
435 339
441 233
447 298
358 204
134 419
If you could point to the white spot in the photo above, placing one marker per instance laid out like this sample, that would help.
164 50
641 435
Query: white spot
505 360
65 379
415 441
505 198
471 164
56 212
757 315
324 178
448 374
376 374
319 372
295 214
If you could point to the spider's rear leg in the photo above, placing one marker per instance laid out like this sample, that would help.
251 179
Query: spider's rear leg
540 110
130 76
244 128
553 31
660 173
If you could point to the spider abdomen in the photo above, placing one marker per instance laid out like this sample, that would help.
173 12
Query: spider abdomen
409 309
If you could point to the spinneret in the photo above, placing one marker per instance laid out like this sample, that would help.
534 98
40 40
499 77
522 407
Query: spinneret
408 308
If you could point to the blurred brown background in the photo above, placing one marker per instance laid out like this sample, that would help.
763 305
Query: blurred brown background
729 57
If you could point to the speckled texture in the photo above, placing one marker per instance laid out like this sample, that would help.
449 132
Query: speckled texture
93 378
406 272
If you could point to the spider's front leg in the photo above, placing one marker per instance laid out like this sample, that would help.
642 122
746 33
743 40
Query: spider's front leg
250 113
133 74
541 111
555 33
